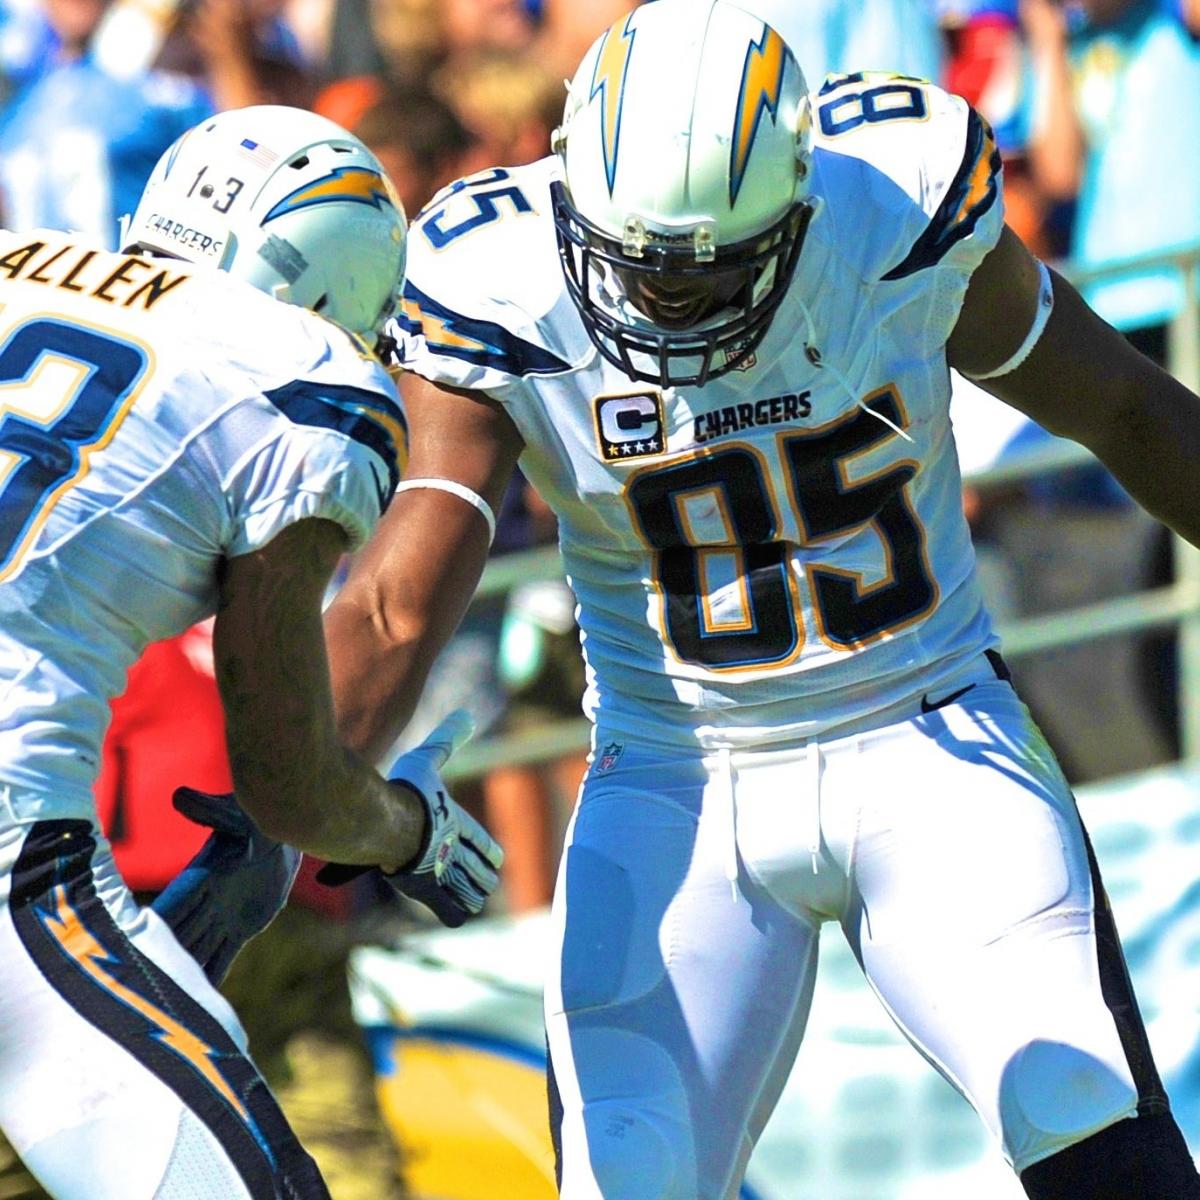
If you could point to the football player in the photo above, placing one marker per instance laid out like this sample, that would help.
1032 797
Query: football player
196 424
716 326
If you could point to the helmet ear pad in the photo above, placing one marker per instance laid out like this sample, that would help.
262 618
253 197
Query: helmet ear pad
287 201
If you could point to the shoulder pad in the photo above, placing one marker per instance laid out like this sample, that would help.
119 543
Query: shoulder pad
912 167
484 302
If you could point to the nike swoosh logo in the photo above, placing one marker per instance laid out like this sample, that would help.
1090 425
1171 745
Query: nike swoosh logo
928 707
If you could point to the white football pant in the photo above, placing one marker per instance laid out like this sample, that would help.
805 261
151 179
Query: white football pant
947 846
123 1073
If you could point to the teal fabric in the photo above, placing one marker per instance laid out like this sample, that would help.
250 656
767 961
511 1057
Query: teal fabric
1138 91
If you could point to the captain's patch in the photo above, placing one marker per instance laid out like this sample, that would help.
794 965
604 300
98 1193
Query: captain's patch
630 426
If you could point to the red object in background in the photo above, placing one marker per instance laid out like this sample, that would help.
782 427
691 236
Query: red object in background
347 100
981 50
168 729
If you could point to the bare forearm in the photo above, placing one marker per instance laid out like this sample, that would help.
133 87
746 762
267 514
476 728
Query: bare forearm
292 776
412 582
378 673
401 604
1084 381
335 806
1153 449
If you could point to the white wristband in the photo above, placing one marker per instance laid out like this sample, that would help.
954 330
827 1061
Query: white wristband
1045 306
474 499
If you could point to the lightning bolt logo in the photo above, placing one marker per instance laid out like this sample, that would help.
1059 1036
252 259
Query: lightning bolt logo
173 153
608 82
392 425
356 184
981 182
80 945
762 84
438 332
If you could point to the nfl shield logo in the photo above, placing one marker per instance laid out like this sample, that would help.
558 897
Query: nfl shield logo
738 358
608 756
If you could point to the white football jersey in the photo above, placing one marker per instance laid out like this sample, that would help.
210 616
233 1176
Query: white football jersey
782 551
155 418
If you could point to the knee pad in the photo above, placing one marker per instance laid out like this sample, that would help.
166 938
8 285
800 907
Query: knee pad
1054 1095
636 1155
630 1136
1141 1157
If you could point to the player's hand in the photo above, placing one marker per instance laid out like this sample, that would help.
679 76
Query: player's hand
232 889
455 870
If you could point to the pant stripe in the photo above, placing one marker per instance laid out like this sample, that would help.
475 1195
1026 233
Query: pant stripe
72 937
1117 990
556 1115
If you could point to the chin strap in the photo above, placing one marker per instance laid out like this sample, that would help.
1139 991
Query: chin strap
814 356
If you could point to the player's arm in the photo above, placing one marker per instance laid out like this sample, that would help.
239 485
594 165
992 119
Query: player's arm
292 775
408 589
1083 380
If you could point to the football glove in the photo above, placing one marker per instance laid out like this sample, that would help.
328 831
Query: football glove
455 870
232 889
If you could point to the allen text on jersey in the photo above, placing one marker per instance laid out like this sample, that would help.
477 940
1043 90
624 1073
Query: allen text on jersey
114 279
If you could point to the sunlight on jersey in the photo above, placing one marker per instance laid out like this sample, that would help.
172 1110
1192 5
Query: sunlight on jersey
43 398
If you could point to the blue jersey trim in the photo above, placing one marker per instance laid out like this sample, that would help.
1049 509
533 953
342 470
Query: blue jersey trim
971 194
356 412
480 342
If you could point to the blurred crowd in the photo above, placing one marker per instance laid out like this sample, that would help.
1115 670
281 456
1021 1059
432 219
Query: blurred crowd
1095 105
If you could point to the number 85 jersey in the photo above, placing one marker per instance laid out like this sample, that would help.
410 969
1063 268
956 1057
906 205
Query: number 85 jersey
781 552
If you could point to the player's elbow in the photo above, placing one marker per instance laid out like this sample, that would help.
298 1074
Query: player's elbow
377 661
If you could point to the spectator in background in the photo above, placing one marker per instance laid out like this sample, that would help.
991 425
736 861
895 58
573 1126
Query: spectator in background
241 51
988 65
568 28
76 142
1117 130
405 41
508 100
98 95
836 36
167 729
471 26
1187 12
419 140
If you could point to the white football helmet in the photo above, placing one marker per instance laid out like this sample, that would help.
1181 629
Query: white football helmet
685 148
289 202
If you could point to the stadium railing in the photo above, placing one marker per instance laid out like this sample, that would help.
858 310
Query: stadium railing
1177 604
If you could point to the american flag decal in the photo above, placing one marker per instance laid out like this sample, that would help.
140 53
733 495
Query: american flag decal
261 156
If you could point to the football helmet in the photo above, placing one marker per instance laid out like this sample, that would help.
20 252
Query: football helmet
686 152
289 202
